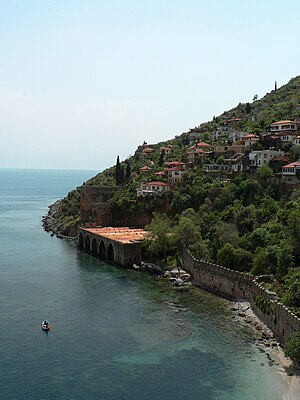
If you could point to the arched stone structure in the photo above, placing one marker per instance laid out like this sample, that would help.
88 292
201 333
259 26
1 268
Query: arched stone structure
80 240
102 250
110 255
94 246
123 251
87 243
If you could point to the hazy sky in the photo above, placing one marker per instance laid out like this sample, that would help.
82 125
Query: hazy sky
82 81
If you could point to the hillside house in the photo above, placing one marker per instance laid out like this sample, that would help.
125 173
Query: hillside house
262 157
171 164
278 162
221 131
198 151
270 140
147 151
160 173
145 169
153 188
228 150
236 136
249 139
174 170
212 169
296 141
236 163
283 126
291 173
232 165
166 150
286 130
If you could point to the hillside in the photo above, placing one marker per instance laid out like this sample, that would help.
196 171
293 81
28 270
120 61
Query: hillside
214 196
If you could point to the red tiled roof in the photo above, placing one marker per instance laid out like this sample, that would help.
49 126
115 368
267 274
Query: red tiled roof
160 173
250 136
123 234
203 144
281 158
155 183
286 121
174 169
292 165
148 150
145 168
173 162
165 148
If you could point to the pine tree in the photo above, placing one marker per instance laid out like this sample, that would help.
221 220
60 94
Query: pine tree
275 85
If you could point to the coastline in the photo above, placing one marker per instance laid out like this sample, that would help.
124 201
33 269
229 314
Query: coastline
287 372
52 226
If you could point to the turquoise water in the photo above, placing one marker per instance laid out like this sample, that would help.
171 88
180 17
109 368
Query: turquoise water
117 334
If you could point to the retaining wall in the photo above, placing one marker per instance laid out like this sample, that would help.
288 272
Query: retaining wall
237 285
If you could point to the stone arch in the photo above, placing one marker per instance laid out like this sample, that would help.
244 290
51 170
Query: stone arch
87 243
110 252
94 246
80 240
102 249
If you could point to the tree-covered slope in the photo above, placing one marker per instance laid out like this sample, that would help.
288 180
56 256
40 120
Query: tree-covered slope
250 223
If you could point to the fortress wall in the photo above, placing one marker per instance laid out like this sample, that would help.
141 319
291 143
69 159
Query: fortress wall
237 285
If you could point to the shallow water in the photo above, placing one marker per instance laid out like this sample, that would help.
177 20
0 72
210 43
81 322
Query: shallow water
116 334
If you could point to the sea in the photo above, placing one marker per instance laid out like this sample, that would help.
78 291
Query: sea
117 334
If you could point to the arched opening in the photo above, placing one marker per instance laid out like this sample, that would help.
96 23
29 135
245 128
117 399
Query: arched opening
80 240
102 250
87 245
110 253
94 246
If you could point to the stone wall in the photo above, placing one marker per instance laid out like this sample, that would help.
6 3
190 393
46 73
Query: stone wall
237 285
94 204
96 208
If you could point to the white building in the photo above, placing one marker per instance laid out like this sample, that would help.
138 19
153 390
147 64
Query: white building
175 174
282 126
296 141
153 188
291 173
262 157
236 136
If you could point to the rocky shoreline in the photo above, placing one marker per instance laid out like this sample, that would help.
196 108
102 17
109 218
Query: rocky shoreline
51 225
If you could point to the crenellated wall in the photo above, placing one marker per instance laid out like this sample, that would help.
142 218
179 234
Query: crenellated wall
237 285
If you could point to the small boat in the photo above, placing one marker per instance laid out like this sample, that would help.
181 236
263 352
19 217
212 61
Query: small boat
45 326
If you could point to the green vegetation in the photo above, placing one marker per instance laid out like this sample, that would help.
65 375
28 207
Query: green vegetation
249 223
292 347
69 212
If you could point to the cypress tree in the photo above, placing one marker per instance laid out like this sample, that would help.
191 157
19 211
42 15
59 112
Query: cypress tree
128 171
161 159
118 171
